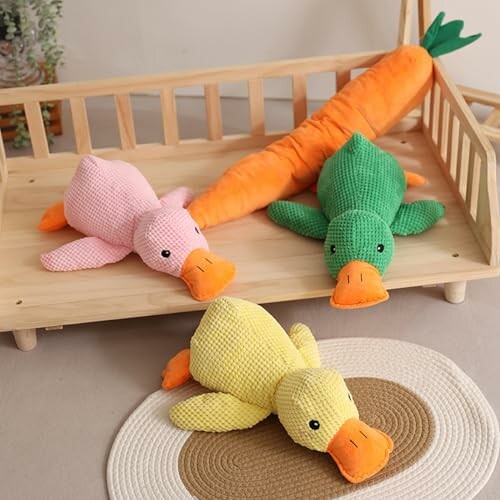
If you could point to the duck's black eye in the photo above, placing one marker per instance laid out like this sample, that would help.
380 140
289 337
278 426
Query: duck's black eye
350 397
314 425
165 253
196 229
333 248
380 248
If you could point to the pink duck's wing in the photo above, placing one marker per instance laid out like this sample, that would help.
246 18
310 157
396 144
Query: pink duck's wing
85 253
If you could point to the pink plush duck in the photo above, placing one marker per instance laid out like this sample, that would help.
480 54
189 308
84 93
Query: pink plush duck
116 208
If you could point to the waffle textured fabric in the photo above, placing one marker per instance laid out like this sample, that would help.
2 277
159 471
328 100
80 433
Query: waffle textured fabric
85 253
113 204
241 353
360 191
107 198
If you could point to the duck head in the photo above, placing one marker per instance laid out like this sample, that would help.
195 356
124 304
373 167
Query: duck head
168 240
359 246
317 410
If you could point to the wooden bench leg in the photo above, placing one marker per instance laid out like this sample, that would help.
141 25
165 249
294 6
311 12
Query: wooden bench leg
455 292
25 339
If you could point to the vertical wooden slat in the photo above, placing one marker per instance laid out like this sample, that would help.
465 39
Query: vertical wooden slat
424 16
460 150
405 22
451 155
464 167
484 218
438 110
445 123
433 111
36 128
426 106
4 173
472 194
299 90
80 125
169 115
214 113
256 106
342 78
3 162
125 121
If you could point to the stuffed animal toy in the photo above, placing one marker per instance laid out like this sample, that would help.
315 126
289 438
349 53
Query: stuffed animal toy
360 191
115 207
372 103
241 353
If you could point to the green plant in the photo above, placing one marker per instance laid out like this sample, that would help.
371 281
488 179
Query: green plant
30 29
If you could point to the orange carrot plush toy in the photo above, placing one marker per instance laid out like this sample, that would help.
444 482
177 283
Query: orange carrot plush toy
370 104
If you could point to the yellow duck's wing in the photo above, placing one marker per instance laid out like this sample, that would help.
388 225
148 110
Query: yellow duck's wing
304 341
216 412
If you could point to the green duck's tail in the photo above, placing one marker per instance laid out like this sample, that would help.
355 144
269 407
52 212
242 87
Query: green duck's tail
441 38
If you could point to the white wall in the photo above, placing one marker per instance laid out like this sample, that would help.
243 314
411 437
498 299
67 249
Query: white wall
106 38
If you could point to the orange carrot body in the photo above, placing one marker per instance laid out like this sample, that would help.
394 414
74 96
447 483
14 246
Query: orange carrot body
371 104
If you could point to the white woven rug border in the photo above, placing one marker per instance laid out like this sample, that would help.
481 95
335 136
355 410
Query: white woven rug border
142 464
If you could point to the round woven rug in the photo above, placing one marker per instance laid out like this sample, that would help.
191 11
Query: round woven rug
446 438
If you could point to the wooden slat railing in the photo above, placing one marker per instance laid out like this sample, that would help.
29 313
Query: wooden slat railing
169 116
36 129
341 78
256 106
214 112
125 121
80 125
122 89
134 84
4 174
466 158
299 95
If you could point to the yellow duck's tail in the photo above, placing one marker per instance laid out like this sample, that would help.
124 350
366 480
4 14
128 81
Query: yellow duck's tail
176 372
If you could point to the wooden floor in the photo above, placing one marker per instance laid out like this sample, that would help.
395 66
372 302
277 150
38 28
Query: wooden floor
273 264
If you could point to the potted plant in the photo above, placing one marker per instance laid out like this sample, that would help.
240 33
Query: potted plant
29 54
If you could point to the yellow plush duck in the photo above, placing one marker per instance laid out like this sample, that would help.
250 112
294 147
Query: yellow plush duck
240 352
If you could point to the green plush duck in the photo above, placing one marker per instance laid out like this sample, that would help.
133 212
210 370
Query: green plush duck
360 192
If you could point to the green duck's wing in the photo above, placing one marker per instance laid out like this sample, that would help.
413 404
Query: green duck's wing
304 341
216 412
416 217
304 220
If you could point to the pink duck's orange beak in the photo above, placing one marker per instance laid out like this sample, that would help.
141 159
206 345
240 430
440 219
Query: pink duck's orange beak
205 274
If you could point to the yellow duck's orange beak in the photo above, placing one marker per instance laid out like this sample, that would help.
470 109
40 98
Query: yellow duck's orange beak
359 450
205 274
359 284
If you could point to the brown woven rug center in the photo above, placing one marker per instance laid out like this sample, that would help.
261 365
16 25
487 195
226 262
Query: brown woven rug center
263 462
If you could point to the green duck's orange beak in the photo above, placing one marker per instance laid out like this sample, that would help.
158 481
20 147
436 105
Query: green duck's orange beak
205 274
360 451
359 284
